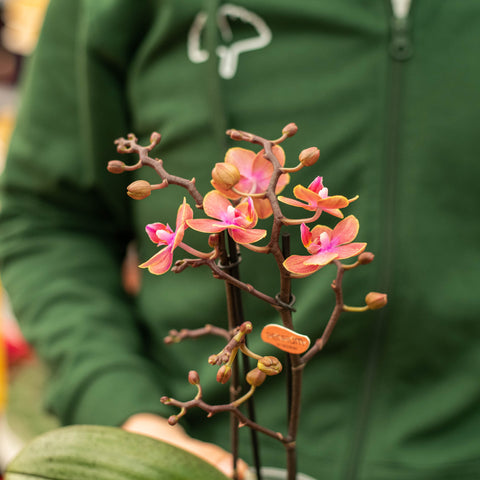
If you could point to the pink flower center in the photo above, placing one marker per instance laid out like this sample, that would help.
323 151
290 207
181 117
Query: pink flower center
164 236
322 244
230 215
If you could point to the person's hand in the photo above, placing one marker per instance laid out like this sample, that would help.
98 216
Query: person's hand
158 427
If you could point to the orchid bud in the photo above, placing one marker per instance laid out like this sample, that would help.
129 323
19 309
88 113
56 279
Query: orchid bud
246 327
255 377
375 300
155 138
212 359
290 130
224 373
269 365
123 149
172 420
116 166
234 134
213 240
225 175
309 156
193 377
365 258
139 190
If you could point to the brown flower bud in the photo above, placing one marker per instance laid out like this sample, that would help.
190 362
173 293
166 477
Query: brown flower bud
269 365
234 134
309 156
116 166
139 190
172 420
212 359
155 138
375 300
224 373
225 175
246 327
213 240
290 130
193 377
255 377
365 258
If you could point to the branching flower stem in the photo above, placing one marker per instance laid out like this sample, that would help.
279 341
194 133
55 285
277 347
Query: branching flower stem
214 409
176 336
130 145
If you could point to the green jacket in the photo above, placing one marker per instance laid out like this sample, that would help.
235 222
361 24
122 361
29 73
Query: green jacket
393 106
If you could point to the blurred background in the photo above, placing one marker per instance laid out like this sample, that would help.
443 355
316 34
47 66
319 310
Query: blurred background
22 376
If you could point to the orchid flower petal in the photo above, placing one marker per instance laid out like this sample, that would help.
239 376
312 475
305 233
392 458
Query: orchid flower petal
153 228
350 250
242 235
321 258
334 211
345 231
306 194
295 203
263 207
316 185
296 264
262 171
242 158
215 204
206 225
306 235
184 213
336 201
161 262
248 213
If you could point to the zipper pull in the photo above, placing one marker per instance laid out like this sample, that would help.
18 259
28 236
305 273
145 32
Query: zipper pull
400 48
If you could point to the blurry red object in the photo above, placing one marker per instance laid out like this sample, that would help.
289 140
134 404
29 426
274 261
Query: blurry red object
16 347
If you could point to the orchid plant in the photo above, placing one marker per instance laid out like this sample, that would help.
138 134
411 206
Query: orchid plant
246 188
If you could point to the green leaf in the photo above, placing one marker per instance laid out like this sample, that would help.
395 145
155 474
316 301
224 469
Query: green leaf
84 452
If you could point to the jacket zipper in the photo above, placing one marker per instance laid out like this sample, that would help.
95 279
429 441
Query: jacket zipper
399 50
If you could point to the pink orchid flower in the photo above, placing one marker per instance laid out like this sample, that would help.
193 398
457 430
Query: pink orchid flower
163 235
325 245
239 221
255 173
316 197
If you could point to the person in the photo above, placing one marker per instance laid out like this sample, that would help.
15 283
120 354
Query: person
390 101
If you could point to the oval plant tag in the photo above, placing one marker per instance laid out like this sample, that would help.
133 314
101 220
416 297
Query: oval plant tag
285 339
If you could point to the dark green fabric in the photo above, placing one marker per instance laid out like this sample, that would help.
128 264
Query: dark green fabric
395 393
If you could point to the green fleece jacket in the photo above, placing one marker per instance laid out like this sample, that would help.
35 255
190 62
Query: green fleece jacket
392 104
